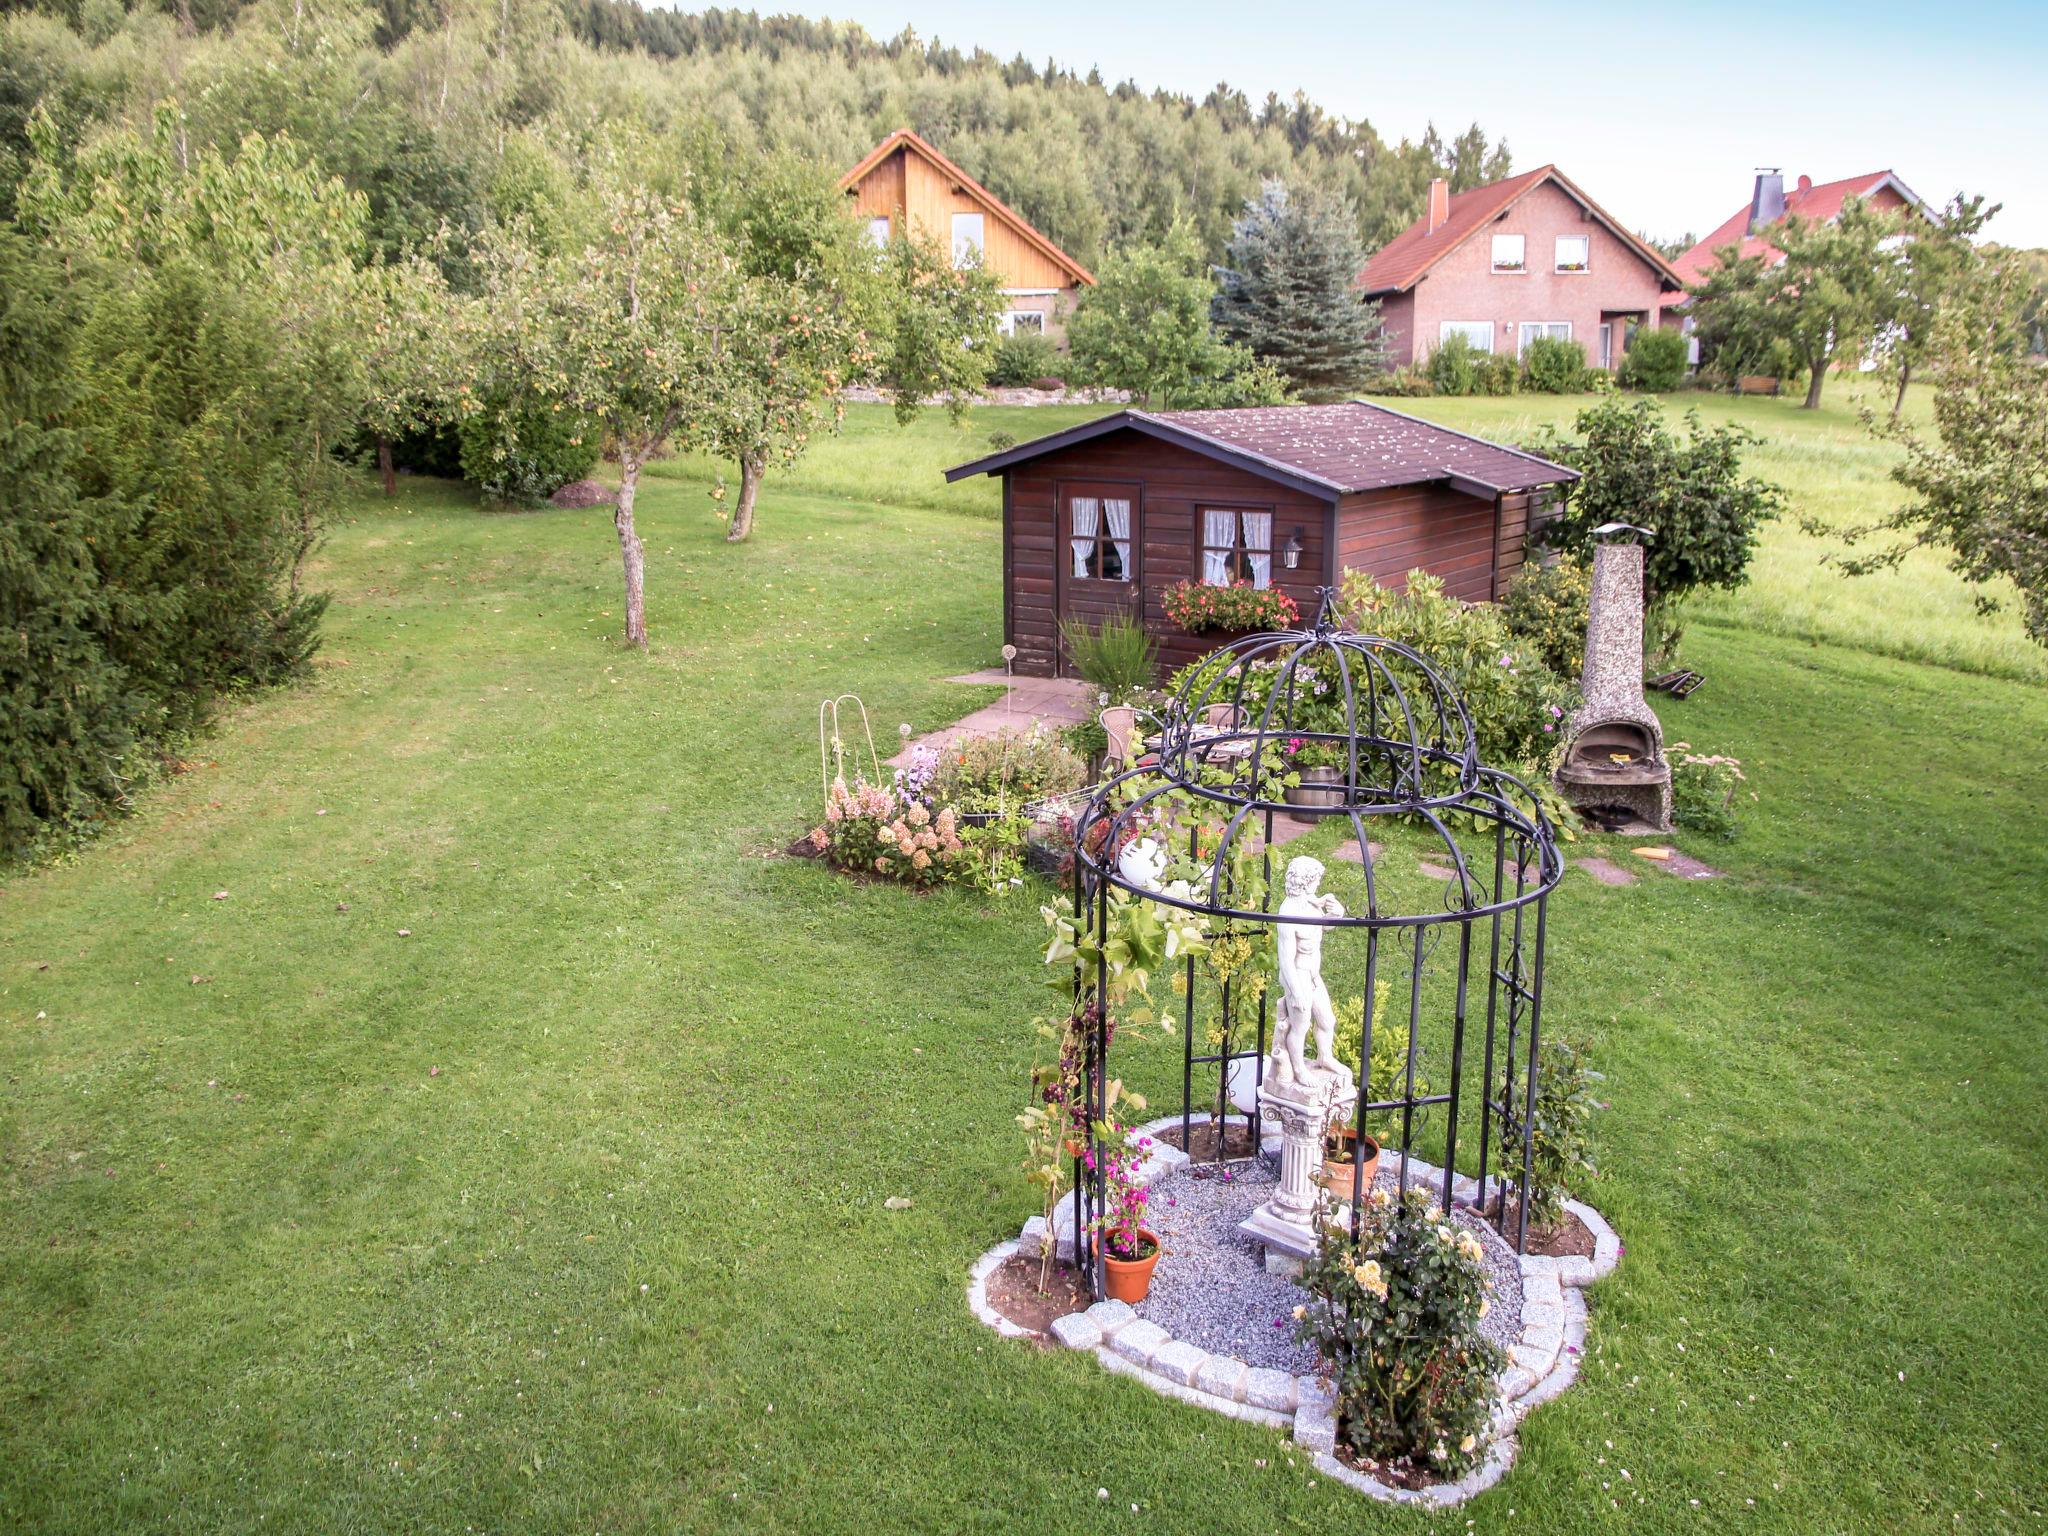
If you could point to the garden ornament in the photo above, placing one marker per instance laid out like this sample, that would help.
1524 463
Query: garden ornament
1305 1000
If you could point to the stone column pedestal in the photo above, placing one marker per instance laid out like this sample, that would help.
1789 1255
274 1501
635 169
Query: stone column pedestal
1286 1224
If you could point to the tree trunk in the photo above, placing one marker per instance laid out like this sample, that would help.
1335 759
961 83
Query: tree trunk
751 471
630 552
1816 376
1905 378
385 467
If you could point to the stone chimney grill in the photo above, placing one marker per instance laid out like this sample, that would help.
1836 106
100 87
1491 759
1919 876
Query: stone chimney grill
1614 770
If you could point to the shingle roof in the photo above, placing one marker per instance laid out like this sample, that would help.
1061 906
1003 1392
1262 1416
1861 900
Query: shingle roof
1813 202
1406 259
1330 450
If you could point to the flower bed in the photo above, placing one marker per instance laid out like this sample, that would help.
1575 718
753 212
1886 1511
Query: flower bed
1196 606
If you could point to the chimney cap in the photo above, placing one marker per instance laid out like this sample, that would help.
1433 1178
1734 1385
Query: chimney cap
1610 533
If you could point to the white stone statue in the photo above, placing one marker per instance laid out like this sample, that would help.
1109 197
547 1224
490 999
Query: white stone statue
1304 999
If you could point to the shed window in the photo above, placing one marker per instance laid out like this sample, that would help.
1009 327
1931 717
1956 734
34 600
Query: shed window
1100 537
878 230
967 239
1574 253
1509 254
1236 546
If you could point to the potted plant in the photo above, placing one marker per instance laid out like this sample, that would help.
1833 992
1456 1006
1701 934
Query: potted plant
1319 769
1343 1150
1346 1145
1130 1249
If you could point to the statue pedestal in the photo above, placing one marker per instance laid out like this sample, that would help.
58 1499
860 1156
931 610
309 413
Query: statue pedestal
1285 1226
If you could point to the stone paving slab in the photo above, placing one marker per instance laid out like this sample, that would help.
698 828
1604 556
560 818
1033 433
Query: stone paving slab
1050 701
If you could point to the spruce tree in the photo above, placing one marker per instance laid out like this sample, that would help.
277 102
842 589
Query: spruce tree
1288 291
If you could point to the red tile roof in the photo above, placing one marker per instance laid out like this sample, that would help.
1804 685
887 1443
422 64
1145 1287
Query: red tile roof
1406 259
1808 201
1329 450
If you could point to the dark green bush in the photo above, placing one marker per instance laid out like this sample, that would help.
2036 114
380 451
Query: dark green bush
523 453
1496 374
1453 368
1545 606
1552 365
1117 656
1655 361
1021 359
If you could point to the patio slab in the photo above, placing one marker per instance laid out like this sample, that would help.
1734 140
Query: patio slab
1029 701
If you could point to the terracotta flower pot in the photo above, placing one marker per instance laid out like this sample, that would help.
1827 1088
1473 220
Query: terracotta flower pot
1338 1174
1129 1279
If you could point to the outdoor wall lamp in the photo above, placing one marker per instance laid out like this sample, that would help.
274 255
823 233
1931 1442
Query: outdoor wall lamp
1290 555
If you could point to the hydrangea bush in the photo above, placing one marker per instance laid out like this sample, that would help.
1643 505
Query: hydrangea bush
868 830
1395 1315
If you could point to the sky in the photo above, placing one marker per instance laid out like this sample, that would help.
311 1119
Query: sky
1662 114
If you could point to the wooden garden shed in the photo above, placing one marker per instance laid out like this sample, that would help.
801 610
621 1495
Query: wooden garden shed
1106 517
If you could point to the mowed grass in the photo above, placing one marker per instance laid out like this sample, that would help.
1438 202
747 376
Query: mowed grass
1832 467
507 1147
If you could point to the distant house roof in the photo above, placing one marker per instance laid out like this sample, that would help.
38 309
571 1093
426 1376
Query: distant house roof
1407 258
1326 450
903 138
1809 201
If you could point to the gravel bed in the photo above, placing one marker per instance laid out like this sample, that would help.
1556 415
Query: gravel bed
1211 1287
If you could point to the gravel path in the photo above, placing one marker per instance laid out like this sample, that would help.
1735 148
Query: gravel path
1211 1287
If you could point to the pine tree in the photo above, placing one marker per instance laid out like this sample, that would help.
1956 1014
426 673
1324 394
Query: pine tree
1289 291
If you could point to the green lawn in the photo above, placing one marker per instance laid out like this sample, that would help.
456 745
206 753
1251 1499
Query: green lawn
562 1209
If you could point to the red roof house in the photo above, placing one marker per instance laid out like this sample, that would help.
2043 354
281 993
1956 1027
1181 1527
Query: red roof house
1511 261
1770 202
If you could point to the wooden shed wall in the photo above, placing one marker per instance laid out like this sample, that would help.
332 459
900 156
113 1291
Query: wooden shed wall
1388 533
1171 482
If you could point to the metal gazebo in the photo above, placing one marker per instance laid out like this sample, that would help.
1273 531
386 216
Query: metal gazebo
1208 796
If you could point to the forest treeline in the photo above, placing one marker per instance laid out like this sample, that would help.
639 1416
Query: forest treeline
420 103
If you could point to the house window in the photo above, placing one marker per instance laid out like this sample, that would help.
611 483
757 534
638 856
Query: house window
1508 254
1099 537
967 239
1236 546
1022 322
1478 332
1574 253
878 230
1532 329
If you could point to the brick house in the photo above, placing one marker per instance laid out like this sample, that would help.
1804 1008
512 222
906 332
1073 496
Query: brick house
1511 261
905 183
1769 202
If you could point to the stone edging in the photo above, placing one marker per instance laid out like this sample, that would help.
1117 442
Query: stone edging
1541 1364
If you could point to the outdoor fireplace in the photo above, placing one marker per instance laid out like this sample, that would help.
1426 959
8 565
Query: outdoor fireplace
1614 771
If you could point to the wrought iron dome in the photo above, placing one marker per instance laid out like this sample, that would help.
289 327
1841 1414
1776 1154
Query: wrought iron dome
1256 707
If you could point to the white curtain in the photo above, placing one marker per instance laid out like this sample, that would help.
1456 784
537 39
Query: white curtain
1119 515
1258 543
1083 508
1219 537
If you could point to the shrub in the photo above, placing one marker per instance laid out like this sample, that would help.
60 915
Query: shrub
1389 1059
1117 656
1703 791
1395 1314
1516 702
1019 360
869 831
521 453
1196 606
1552 365
1000 440
1052 383
1496 374
1704 511
1410 382
1006 771
1560 1162
1655 361
1453 368
1545 608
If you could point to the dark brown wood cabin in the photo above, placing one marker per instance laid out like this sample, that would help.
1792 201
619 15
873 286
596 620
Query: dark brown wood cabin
1105 517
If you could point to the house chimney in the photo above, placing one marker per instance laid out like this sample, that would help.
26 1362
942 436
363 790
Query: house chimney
1806 183
1439 204
1768 205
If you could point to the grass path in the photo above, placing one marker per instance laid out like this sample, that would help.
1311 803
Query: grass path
566 1210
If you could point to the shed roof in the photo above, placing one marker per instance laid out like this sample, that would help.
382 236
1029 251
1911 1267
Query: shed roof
1407 258
1326 450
